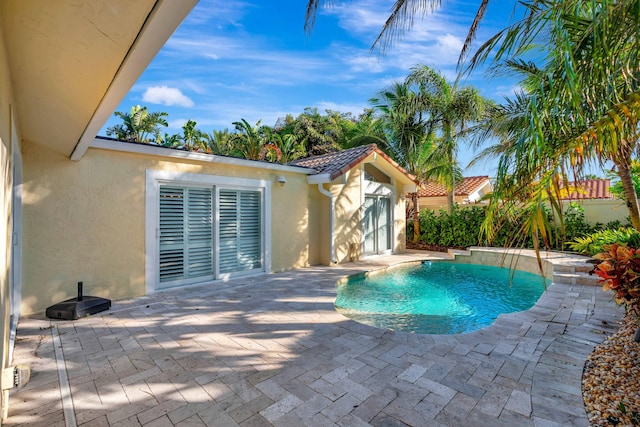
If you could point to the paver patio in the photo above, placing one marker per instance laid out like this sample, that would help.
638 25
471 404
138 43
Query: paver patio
271 350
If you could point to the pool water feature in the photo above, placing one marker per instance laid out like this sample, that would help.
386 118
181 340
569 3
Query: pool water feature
438 297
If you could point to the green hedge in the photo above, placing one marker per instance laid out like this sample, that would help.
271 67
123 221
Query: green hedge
461 229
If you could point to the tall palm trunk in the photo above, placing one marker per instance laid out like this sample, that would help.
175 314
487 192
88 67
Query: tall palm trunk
624 172
451 193
416 217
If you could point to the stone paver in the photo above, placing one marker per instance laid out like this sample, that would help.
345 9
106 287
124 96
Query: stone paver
272 350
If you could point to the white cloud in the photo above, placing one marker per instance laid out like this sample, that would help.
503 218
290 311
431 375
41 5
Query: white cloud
166 96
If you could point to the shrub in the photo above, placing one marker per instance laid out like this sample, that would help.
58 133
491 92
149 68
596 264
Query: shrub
575 226
619 271
597 242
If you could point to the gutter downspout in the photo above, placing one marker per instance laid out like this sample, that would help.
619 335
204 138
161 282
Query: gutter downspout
332 204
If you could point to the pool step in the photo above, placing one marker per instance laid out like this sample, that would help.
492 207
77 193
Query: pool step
577 278
574 267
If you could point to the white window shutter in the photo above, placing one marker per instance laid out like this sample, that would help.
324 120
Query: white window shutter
199 232
228 230
249 236
171 233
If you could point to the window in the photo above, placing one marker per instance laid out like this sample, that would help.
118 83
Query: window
202 227
186 233
240 228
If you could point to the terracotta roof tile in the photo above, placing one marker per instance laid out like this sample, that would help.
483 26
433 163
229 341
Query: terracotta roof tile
466 187
589 189
338 163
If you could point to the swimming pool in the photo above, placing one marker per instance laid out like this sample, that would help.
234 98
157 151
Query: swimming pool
438 297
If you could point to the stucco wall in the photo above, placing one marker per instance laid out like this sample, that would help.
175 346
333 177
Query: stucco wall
440 203
319 245
399 224
348 225
595 211
85 221
6 136
348 217
604 211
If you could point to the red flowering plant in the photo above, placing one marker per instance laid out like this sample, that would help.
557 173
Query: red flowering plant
619 271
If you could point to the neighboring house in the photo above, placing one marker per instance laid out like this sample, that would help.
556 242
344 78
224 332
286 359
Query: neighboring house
433 196
127 219
597 201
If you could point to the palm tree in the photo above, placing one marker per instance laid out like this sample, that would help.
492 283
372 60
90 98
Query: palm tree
368 128
138 125
289 146
249 139
449 110
220 142
401 19
192 138
408 140
582 105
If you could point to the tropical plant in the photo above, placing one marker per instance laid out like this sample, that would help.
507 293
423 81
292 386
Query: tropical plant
171 141
408 138
617 188
619 271
249 139
597 242
401 19
322 133
289 146
580 103
192 138
138 125
450 110
220 142
367 128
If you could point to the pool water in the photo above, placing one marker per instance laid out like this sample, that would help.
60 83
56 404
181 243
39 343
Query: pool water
438 297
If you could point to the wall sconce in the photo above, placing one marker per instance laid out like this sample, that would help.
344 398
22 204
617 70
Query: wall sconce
280 179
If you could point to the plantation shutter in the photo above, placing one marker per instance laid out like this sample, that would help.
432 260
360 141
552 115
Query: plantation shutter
369 224
186 233
240 234
384 228
250 242
228 241
171 233
199 233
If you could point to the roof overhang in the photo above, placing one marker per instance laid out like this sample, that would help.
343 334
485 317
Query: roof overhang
382 162
72 63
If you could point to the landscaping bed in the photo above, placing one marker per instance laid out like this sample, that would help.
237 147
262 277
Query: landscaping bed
611 378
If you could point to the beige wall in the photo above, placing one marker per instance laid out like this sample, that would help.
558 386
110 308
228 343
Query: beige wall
348 221
399 224
85 221
319 245
6 102
348 226
438 203
604 211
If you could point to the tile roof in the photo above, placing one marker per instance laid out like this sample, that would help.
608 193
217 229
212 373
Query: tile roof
589 189
466 187
340 162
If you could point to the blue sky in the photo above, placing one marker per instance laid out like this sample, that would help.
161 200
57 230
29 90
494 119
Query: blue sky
252 59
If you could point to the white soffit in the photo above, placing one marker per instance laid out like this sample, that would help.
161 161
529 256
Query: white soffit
161 23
